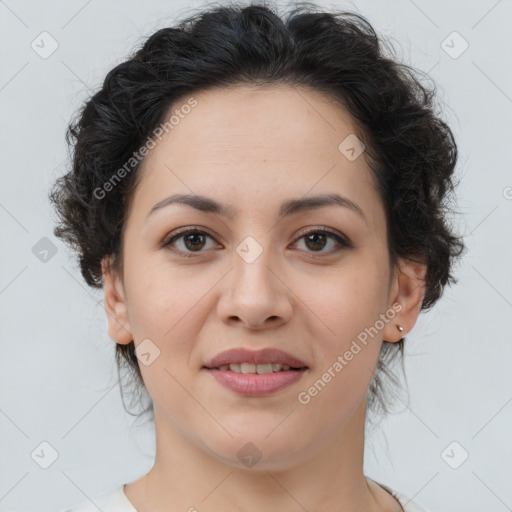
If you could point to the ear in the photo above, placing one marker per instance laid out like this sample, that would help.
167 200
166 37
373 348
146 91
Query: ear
115 305
407 291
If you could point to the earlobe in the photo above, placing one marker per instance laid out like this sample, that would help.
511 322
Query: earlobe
115 305
408 290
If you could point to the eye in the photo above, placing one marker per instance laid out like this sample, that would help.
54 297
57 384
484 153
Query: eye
193 239
317 239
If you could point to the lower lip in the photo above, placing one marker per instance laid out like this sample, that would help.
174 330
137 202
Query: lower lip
254 384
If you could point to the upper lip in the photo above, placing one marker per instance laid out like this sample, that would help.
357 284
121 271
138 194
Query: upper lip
263 356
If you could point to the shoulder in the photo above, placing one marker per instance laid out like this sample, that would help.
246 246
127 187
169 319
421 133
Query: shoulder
407 503
112 501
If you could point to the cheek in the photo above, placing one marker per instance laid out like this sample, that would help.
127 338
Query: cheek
347 345
347 300
159 297
347 309
167 307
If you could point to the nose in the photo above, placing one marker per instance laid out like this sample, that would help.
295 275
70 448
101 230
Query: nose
255 295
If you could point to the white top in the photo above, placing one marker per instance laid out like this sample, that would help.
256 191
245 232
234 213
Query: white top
116 501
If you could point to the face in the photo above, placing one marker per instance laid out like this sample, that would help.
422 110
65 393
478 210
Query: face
309 282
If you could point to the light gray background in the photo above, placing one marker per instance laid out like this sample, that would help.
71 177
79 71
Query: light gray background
58 382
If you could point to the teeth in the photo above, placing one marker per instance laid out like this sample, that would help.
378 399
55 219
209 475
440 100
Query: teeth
248 368
264 368
255 368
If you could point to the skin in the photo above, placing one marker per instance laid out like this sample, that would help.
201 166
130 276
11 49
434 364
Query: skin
253 148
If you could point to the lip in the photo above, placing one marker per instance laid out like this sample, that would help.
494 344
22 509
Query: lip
254 384
262 356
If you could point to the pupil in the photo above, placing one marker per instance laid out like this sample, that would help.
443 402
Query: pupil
321 235
194 237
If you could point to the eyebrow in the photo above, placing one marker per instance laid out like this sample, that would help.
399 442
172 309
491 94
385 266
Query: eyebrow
290 207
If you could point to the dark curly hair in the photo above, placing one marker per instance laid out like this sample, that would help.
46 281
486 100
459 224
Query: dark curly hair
410 150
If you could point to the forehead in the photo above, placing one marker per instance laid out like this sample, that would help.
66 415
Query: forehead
250 142
271 122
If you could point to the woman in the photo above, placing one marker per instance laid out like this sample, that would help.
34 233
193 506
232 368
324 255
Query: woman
263 201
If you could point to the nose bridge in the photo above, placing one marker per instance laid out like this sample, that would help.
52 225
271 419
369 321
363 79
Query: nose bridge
253 292
252 278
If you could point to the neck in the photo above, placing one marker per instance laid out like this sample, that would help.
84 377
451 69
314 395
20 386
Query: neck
187 477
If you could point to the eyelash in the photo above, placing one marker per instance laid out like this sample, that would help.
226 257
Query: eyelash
343 243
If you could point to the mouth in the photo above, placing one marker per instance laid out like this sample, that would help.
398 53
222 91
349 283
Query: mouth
256 380
259 369
243 360
255 373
